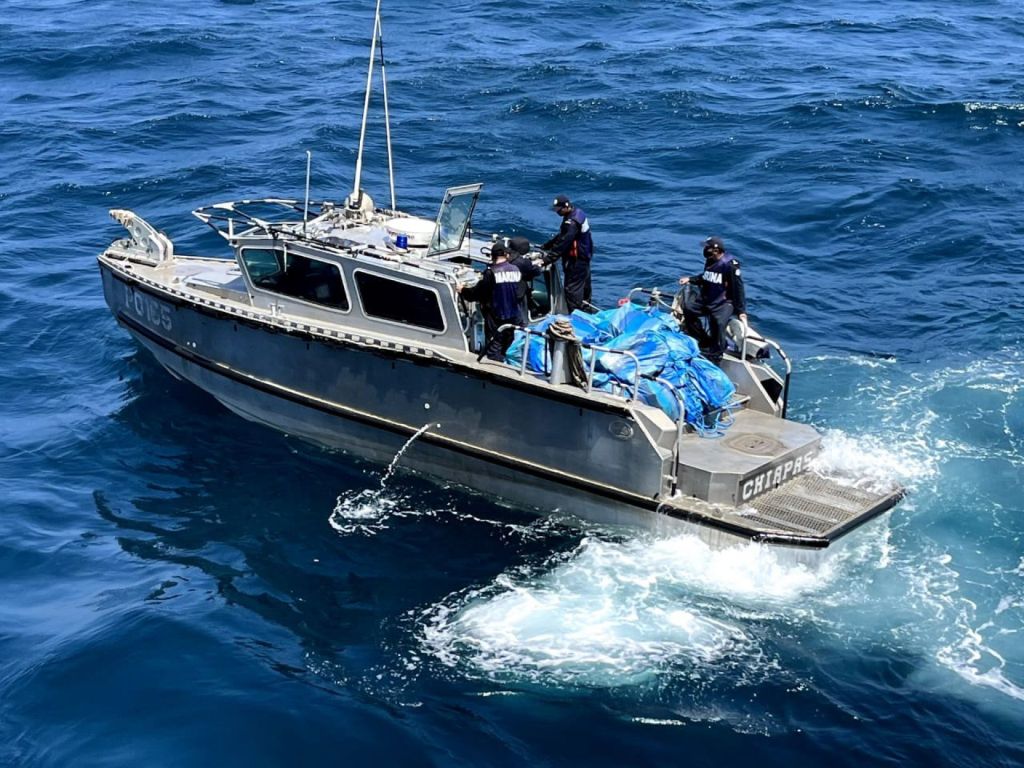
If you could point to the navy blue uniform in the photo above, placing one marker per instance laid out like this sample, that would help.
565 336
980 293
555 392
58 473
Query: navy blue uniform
575 247
528 270
498 293
721 296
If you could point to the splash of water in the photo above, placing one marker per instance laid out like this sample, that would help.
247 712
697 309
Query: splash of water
368 510
401 451
874 462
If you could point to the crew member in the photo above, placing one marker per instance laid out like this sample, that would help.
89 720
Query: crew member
720 296
575 247
519 256
497 292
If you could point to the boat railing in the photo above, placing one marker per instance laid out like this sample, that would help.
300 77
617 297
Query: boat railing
593 349
232 219
680 428
759 339
789 372
655 297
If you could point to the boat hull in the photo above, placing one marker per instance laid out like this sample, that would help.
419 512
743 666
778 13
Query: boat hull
484 430
369 402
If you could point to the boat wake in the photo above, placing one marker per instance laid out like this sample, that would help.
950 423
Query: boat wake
643 611
673 620
618 612
623 612
958 431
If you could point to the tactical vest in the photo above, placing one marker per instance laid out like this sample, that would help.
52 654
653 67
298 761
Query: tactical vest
714 285
582 247
505 299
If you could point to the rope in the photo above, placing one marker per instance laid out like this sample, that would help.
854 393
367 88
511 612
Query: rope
717 422
561 330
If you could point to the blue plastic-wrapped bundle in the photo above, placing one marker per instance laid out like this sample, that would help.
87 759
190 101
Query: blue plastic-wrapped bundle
647 347
536 361
590 329
662 351
655 392
714 387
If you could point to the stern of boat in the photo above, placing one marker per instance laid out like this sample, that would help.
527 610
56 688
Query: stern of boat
759 482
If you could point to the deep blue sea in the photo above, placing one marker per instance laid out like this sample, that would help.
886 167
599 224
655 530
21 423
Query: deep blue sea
175 586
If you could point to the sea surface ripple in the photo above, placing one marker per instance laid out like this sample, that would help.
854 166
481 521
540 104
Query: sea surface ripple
179 587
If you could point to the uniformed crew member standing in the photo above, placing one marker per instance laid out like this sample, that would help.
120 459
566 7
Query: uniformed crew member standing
575 247
497 291
721 296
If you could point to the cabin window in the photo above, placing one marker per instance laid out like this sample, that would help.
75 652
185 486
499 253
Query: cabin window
399 302
298 277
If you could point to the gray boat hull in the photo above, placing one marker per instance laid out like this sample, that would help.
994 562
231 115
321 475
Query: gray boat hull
346 398
489 430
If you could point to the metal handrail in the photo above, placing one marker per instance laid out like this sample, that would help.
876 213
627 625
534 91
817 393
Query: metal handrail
231 213
680 429
594 349
526 344
775 345
745 327
593 358
789 372
655 293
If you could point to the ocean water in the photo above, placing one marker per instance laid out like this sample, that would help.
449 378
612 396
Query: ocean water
179 587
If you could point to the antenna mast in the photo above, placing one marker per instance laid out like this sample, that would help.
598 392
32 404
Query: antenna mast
378 39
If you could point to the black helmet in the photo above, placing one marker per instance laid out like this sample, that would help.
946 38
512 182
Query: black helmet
519 245
498 250
714 244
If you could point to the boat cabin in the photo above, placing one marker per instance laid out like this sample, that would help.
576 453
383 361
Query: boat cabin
376 270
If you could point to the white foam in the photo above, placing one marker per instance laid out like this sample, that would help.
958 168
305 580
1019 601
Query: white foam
970 657
950 627
976 106
656 721
372 510
877 460
365 512
863 361
618 613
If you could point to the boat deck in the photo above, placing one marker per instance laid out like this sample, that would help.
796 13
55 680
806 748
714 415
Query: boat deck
808 511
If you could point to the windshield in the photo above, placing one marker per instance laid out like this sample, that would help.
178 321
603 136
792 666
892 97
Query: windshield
453 218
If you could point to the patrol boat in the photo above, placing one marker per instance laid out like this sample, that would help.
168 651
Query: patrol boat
341 324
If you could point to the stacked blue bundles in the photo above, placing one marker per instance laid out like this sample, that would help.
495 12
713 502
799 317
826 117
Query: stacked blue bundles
661 350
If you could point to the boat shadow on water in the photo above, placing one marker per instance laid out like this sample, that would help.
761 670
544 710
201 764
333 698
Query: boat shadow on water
250 509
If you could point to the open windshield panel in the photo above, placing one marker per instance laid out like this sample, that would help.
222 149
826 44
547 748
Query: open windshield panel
453 219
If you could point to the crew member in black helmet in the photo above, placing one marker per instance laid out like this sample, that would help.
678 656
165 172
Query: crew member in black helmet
519 256
720 296
575 247
498 294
